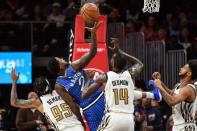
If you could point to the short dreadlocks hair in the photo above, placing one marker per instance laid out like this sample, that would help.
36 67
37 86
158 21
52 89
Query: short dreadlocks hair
193 67
53 66
120 61
41 86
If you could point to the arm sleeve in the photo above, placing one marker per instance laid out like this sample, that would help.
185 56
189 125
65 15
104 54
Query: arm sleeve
137 95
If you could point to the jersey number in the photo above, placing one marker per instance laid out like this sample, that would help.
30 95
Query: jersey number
82 82
61 111
121 94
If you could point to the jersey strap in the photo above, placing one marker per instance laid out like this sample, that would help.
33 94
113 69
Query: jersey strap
191 85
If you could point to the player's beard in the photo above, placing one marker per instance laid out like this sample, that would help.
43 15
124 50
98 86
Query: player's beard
183 76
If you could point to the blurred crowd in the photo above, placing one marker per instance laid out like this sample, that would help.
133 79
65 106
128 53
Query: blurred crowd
149 115
51 20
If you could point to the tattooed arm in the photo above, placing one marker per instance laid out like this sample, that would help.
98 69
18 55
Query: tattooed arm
137 66
15 101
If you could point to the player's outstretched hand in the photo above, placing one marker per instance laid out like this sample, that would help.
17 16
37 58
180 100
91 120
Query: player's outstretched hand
115 47
14 75
156 75
95 27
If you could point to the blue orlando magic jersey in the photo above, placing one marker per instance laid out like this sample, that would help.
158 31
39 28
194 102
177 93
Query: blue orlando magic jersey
73 83
93 107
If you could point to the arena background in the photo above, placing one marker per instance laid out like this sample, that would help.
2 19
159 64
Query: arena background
163 41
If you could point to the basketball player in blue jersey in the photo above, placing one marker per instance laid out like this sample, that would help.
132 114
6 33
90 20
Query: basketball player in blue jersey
71 79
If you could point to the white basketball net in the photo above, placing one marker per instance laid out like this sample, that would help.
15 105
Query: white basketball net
151 6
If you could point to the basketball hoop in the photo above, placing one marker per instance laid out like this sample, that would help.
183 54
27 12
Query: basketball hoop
151 6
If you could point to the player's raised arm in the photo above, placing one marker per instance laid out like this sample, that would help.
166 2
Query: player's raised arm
86 58
137 65
171 100
90 89
14 100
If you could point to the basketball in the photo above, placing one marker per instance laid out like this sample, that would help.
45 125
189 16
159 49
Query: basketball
89 12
